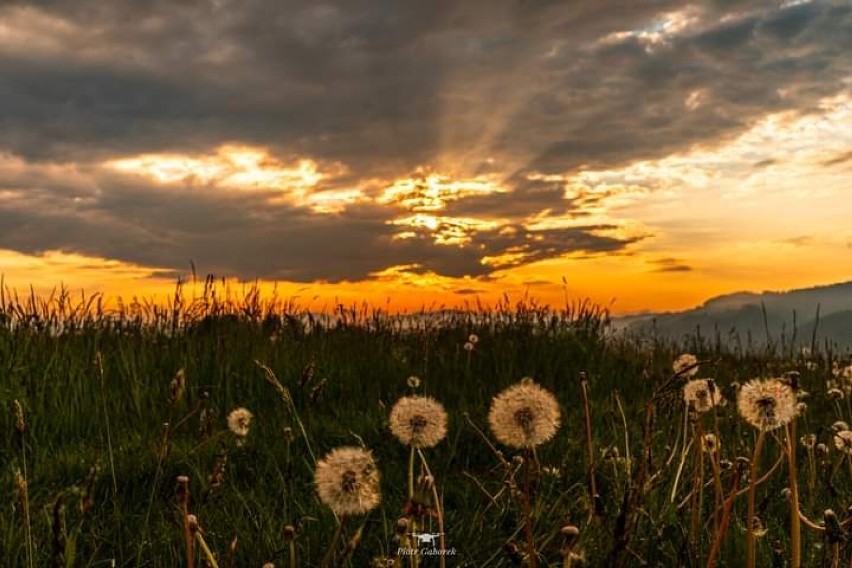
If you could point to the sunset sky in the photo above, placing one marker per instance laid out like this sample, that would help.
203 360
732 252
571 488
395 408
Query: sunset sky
652 152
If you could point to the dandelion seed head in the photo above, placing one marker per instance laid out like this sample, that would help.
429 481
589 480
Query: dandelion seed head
839 426
767 404
686 364
809 441
843 441
418 421
473 338
239 421
835 393
347 481
468 346
524 415
413 381
701 394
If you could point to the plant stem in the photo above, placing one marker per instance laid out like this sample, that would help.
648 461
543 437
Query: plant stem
329 554
795 525
414 560
697 494
593 490
208 554
752 484
528 524
723 523
439 510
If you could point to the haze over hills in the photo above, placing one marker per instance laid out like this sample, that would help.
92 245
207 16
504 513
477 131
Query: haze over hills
794 314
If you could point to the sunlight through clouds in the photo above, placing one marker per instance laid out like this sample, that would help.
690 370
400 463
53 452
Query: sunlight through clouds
244 168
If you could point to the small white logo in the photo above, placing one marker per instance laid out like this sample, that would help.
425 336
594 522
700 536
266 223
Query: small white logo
426 538
427 545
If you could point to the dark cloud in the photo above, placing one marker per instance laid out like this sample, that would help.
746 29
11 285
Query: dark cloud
244 235
671 265
511 88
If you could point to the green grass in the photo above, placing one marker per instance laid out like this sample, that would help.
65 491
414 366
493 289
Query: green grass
97 395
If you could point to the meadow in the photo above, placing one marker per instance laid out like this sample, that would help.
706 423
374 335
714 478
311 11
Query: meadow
117 450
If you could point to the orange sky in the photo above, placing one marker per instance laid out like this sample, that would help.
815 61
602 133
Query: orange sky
543 164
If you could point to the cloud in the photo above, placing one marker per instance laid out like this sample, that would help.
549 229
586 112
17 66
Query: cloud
251 234
671 265
533 96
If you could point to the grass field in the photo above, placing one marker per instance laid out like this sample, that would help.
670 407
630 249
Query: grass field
113 406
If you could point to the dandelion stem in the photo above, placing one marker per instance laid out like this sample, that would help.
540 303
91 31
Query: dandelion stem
723 523
439 510
697 494
415 561
329 554
795 526
528 526
187 530
752 484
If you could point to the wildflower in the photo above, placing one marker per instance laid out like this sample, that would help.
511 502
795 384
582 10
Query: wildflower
686 364
701 394
835 393
418 421
414 381
239 421
347 481
843 441
468 346
524 415
473 338
768 404
839 425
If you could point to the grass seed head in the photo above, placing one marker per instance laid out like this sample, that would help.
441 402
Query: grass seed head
20 420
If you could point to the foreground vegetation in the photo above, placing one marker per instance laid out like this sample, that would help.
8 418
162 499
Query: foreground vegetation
116 445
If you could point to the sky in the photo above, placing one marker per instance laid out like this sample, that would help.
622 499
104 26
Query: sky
647 154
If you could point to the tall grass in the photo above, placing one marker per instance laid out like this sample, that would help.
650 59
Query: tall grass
107 440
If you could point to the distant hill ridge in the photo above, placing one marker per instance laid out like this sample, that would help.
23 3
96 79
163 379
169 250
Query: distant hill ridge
791 312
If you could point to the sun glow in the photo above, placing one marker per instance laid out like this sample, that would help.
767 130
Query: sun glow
244 168
432 192
445 230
